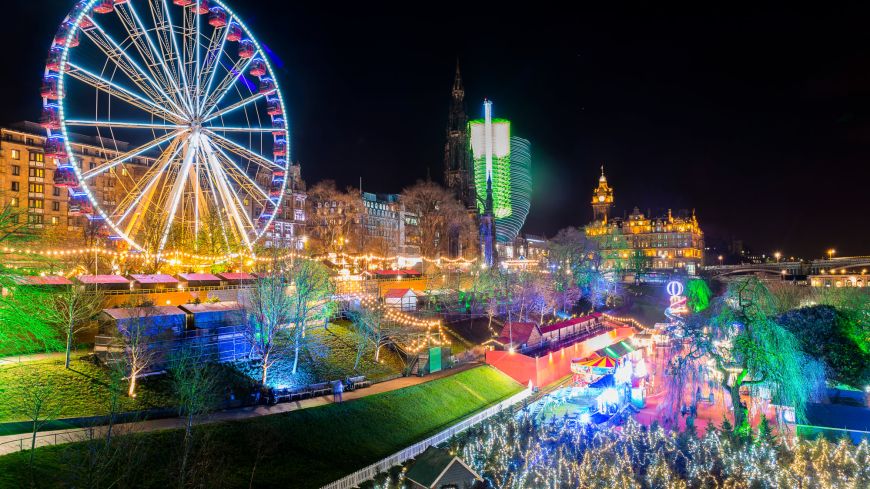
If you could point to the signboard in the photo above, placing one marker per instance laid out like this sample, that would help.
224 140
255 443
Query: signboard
434 359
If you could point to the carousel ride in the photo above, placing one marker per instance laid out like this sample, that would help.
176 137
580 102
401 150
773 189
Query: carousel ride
188 89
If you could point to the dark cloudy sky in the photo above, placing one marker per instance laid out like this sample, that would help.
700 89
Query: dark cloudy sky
758 117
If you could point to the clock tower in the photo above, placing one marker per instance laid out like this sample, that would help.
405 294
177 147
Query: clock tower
602 199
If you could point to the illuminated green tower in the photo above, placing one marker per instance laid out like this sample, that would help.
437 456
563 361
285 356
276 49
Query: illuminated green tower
506 161
491 150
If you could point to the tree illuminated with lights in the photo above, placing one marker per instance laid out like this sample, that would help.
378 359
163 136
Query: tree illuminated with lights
745 349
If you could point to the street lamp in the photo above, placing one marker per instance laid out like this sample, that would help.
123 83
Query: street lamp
831 253
720 260
777 255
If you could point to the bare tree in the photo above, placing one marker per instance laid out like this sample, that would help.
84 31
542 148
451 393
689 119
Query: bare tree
70 310
439 215
311 293
269 310
136 335
334 217
374 326
38 401
194 386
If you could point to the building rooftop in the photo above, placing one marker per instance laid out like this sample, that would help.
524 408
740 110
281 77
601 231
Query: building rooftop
198 277
570 322
520 332
212 307
398 293
158 278
143 312
429 466
43 280
102 279
838 416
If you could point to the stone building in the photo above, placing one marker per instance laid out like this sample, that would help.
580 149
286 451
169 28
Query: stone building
642 243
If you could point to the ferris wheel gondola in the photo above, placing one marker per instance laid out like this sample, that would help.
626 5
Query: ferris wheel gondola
190 91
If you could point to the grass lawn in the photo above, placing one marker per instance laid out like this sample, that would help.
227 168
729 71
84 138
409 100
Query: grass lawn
82 390
300 449
328 354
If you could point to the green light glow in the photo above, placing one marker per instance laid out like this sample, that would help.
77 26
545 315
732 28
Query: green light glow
501 165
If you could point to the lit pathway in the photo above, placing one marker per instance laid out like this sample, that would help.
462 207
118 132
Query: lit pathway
35 357
15 443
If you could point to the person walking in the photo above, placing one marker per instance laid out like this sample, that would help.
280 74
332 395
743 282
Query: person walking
337 390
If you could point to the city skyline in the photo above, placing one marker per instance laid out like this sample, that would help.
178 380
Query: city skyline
765 139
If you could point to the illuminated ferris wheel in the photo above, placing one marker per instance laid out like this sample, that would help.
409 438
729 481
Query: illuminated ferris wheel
186 114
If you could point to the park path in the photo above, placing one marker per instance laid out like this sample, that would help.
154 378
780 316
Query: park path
35 357
14 443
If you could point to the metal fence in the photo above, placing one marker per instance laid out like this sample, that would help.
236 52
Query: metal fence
412 451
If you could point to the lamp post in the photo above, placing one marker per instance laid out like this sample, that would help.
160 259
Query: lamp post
831 253
777 255
720 260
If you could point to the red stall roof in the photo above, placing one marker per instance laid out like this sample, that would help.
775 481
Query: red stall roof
406 271
46 280
233 277
102 279
397 293
520 332
198 277
159 278
569 322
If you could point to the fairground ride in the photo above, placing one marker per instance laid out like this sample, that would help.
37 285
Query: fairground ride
188 86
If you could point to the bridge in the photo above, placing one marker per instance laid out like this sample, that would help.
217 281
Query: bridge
792 268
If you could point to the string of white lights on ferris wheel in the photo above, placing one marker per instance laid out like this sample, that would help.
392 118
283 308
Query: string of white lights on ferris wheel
167 73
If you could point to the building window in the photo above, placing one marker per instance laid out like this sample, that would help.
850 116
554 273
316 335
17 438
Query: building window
34 219
29 141
55 206
92 165
37 157
15 186
16 154
55 191
35 203
37 172
37 188
54 219
16 170
13 202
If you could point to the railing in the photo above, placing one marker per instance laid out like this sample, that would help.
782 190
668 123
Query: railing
24 443
408 453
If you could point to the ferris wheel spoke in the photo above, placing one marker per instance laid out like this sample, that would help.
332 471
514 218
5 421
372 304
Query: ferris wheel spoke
241 103
135 197
178 186
171 53
130 154
122 125
242 151
240 129
121 93
227 195
189 34
153 57
213 99
219 207
129 66
242 178
212 59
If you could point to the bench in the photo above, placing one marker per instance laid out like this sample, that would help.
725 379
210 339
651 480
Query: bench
319 389
357 382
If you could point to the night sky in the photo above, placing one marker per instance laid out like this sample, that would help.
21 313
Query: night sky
759 118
